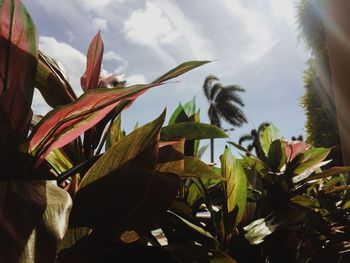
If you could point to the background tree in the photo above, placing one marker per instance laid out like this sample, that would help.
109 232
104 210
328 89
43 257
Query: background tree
318 100
253 137
225 104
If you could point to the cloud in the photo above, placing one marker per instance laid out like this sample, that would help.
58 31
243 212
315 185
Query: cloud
71 58
94 4
136 79
122 63
261 37
99 23
149 27
39 105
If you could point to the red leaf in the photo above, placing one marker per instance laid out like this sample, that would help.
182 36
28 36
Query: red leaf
93 65
294 148
64 124
18 61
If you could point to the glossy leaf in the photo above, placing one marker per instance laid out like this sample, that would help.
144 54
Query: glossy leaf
18 63
34 218
196 168
93 64
52 82
236 185
191 131
311 158
276 156
267 135
295 148
64 124
171 158
330 172
115 133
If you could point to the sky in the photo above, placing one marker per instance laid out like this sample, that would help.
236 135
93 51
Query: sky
252 43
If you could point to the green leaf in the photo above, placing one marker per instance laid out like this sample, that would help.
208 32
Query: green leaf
191 131
171 158
201 151
126 172
327 173
306 201
181 69
236 185
267 135
115 134
276 157
311 158
196 168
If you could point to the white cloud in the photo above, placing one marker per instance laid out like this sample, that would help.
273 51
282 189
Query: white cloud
99 23
39 105
122 64
257 29
72 59
136 79
149 27
94 4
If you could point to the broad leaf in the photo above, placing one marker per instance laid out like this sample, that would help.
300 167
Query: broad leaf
115 133
327 173
34 218
267 135
196 168
191 131
64 124
276 157
93 64
236 185
18 63
311 158
171 158
52 82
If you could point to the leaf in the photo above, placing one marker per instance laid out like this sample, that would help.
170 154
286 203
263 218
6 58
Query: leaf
294 148
171 158
276 156
189 228
201 151
18 63
52 82
267 135
34 218
93 65
306 201
59 161
236 185
179 115
327 173
64 124
125 173
179 70
311 158
191 131
196 168
115 134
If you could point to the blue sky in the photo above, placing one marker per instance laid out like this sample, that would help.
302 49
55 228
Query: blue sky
252 43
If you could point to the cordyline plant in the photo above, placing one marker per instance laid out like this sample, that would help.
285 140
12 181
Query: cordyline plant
119 195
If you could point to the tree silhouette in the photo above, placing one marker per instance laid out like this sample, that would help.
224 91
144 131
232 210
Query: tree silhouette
225 104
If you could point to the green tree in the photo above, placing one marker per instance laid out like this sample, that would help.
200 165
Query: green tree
318 100
225 103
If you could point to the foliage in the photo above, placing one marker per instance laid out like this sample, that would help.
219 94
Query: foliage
318 100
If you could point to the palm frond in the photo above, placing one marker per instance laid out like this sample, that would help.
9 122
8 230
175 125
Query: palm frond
208 85
229 95
215 90
245 138
231 114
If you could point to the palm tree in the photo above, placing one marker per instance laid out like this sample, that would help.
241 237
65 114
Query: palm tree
255 141
225 104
